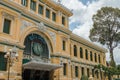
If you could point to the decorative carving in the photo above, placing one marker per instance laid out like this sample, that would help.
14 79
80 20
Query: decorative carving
53 36
5 48
41 26
9 16
25 24
69 61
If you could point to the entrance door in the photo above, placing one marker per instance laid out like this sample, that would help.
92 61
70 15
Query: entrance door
29 74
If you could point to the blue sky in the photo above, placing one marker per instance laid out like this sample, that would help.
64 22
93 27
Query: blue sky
85 1
75 24
81 21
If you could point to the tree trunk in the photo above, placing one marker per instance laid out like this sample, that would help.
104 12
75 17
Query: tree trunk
109 76
112 61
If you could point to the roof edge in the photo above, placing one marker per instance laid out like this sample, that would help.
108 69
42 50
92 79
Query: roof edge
87 43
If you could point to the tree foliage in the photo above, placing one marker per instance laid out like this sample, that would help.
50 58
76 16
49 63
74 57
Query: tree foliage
108 71
106 29
84 77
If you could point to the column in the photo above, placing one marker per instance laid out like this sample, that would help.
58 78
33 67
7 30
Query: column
79 68
37 7
96 57
1 21
93 55
73 71
84 55
88 55
67 22
44 11
85 71
50 14
78 52
59 18
19 1
91 76
69 70
71 50
28 5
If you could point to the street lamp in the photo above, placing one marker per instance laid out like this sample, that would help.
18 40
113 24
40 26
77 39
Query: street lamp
11 56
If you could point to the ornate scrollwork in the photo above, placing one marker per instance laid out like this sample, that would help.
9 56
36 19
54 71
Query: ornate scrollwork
25 24
53 36
41 26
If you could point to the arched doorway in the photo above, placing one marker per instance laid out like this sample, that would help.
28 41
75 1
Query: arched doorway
36 49
36 60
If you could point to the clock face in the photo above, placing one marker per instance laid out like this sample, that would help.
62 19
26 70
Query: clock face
37 49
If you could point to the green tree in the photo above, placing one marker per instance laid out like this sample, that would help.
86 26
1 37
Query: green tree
108 71
84 77
106 29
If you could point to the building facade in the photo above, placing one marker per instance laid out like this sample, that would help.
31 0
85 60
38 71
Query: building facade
47 49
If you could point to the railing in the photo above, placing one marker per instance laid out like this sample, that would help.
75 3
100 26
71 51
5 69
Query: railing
36 58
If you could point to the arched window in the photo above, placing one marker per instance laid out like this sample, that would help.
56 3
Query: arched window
76 71
75 50
95 56
88 72
86 53
99 59
81 52
64 69
63 45
91 58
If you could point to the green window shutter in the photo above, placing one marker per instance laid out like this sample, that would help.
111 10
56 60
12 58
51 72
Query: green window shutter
99 59
6 27
76 71
47 13
64 69
3 62
95 56
64 45
86 53
81 52
63 20
91 57
33 5
75 50
53 16
93 72
88 74
24 2
82 70
40 9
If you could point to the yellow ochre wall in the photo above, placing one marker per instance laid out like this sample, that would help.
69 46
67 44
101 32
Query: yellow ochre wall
25 21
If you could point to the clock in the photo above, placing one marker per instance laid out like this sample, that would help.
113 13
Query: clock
37 49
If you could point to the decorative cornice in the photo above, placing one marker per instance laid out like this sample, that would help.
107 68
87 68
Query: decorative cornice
4 41
72 60
41 27
87 43
59 6
6 15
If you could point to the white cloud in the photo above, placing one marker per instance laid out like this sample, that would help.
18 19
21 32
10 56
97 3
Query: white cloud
83 14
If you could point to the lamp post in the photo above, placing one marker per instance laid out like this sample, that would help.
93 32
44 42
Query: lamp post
11 56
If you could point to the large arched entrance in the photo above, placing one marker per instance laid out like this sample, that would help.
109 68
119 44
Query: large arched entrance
36 60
